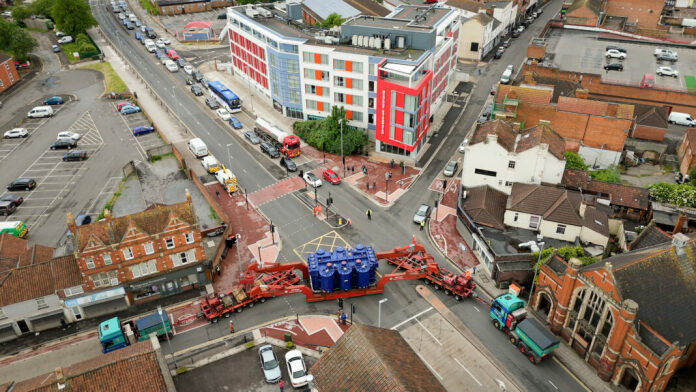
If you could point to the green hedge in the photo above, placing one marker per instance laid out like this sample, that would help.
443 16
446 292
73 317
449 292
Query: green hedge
325 135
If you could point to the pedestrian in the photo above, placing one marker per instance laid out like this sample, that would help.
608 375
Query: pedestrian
403 168
474 270
217 269
390 175
479 71
352 169
374 184
217 194
369 214
63 324
281 385
231 327
422 225
343 318
367 184
350 223
135 95
364 169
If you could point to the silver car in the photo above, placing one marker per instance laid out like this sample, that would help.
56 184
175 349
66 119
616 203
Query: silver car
451 168
269 364
421 213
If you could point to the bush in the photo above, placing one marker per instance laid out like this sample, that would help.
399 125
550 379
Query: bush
325 135
682 195
610 174
574 161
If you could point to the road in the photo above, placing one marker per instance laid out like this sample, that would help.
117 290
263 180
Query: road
389 227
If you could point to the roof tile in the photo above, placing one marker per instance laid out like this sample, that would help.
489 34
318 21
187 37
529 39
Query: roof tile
38 280
486 206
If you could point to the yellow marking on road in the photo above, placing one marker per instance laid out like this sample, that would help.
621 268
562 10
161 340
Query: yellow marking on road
328 242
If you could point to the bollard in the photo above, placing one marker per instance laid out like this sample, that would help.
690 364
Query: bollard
340 221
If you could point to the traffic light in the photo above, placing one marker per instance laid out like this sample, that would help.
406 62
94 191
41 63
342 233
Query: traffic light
272 228
340 303
435 203
444 184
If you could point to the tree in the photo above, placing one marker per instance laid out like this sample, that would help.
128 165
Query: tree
73 16
43 7
20 12
332 20
325 134
16 40
574 161
610 174
692 175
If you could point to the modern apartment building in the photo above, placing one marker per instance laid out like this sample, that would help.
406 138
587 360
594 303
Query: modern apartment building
390 73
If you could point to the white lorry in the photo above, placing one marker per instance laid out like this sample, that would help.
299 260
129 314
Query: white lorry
226 179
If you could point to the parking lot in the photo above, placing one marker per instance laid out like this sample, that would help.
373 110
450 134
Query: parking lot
178 22
142 142
583 52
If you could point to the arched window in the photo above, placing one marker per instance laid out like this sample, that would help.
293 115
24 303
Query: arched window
591 319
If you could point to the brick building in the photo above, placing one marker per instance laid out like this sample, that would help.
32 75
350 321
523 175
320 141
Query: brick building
175 7
151 254
8 72
687 151
584 12
631 316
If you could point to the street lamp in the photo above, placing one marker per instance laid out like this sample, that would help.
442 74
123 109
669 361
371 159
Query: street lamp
386 186
379 312
161 315
239 260
535 273
343 159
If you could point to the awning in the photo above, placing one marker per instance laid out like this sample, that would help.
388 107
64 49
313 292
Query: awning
194 25
47 314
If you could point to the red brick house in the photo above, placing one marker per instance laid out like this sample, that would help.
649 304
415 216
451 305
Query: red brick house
585 12
8 72
154 253
632 316
687 151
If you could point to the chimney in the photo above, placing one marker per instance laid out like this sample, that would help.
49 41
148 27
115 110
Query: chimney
60 378
583 207
70 220
679 240
109 224
679 225
188 197
581 93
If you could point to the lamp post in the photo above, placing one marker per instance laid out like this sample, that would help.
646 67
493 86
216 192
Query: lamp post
239 260
343 159
386 186
161 315
379 312
529 300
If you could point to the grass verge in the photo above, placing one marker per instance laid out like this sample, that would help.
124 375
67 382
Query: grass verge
109 204
151 9
156 158
111 79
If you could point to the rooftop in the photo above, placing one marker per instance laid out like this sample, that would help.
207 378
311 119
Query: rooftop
39 280
485 206
506 242
324 8
15 252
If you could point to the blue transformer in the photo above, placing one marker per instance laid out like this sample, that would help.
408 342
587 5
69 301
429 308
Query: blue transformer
342 269
326 278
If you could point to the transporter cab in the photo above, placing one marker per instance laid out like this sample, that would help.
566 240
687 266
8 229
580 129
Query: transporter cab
287 144
114 335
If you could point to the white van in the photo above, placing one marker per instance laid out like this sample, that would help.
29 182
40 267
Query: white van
507 75
40 111
681 119
198 148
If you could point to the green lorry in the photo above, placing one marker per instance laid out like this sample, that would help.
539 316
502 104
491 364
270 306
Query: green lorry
531 338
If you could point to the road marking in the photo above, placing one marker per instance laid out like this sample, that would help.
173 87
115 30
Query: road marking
411 318
467 370
429 333
571 374
552 384
431 368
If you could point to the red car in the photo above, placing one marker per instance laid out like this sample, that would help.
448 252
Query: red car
172 54
22 64
331 176
120 105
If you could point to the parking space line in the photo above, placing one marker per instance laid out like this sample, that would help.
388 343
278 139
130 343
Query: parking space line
432 369
411 318
429 333
467 370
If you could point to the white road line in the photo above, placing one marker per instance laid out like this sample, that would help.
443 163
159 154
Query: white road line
552 384
431 368
467 370
426 330
411 318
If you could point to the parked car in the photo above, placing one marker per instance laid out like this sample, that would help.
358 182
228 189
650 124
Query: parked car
171 66
288 163
660 51
75 155
222 15
486 113
331 176
234 121
667 71
65 40
270 150
22 64
180 62
196 90
55 48
188 69
451 169
166 41
120 105
172 54
212 103
197 75
612 47
269 364
312 179
160 43
12 198
671 57
69 135
159 54
22 184
7 208
130 25
204 83
613 67
16 133
499 53
142 130
421 213
615 54
251 137
223 114
130 109
143 28
507 43
139 37
54 100
296 368
63 144
462 147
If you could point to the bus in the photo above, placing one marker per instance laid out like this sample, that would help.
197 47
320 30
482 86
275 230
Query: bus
15 228
227 98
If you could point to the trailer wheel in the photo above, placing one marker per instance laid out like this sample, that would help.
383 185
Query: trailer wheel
496 324
513 340
262 300
436 287
239 309
251 305
214 320
522 347
447 292
532 358
458 297
227 315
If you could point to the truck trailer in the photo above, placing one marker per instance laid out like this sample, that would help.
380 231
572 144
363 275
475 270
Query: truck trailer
531 338
287 144
114 335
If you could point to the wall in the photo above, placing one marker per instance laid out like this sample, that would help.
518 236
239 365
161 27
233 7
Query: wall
188 8
470 32
522 219
616 228
582 16
593 237
26 309
648 133
599 157
8 74
548 229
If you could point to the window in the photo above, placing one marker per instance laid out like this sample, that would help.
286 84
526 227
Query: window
357 84
272 60
292 66
410 103
107 259
89 262
294 96
357 100
474 46
293 81
357 67
142 269
508 183
339 65
324 59
560 229
104 279
370 118
149 249
357 116
338 81
41 303
127 254
294 113
76 312
307 57
189 238
169 242
339 97
485 172
371 69
311 104
70 291
371 86
516 217
511 164
183 257
533 222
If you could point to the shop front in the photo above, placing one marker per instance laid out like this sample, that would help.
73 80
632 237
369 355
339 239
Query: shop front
165 285
97 304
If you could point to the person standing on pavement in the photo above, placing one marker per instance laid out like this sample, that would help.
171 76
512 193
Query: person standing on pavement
422 225
369 214
281 385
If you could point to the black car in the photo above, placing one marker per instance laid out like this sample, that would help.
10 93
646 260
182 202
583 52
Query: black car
499 53
14 199
180 62
63 143
197 75
486 113
197 90
288 163
267 148
22 184
212 103
75 155
620 49
150 33
507 43
222 15
613 67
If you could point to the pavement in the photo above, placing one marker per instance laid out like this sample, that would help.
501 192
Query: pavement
646 174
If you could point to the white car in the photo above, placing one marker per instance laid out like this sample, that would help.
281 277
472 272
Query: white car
667 71
171 66
660 51
69 135
15 133
122 16
166 41
160 43
223 114
462 146
296 368
59 33
615 54
65 40
312 179
188 69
